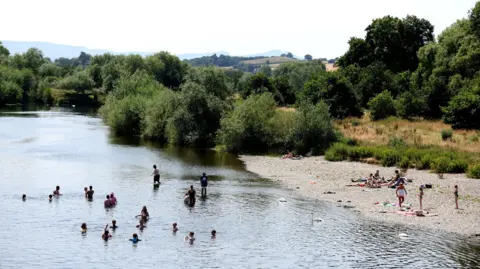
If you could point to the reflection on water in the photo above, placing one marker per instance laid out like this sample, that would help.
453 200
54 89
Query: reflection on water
254 229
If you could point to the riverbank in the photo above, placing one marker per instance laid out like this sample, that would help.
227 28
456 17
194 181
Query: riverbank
313 177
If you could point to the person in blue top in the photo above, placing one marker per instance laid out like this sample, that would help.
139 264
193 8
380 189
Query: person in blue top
135 239
204 183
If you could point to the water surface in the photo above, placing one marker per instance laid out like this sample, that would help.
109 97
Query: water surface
42 149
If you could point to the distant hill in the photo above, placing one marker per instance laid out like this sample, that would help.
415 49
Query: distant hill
55 51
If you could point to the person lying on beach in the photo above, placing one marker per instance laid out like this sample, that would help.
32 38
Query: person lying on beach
288 155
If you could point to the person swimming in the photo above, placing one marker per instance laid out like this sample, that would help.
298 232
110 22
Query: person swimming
190 237
135 239
144 214
114 225
24 197
56 192
113 199
214 234
107 202
50 198
83 228
141 225
174 227
106 234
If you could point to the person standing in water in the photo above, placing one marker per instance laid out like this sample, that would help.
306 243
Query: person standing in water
156 175
204 183
90 193
56 192
456 196
191 195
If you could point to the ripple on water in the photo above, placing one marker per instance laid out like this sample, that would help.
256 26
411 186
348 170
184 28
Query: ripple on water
254 229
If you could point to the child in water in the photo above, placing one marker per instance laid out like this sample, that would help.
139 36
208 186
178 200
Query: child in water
50 198
86 191
135 239
84 228
24 197
144 214
114 225
106 234
141 225
174 227
214 234
190 237
456 196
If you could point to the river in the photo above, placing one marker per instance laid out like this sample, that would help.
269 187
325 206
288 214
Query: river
73 149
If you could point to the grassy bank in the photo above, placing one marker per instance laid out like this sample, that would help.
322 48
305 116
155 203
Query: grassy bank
424 145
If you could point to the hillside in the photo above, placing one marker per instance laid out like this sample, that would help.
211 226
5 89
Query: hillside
269 60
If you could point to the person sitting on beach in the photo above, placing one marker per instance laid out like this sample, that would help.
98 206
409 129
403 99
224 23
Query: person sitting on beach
135 239
401 193
107 202
114 225
190 237
214 234
106 234
377 175
83 228
24 197
113 199
141 225
56 192
174 227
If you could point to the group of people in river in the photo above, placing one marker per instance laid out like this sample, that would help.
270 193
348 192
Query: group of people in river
111 200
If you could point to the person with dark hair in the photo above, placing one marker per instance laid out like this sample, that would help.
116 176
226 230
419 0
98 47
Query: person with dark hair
107 202
214 234
56 192
156 175
455 193
90 193
204 183
191 195
24 197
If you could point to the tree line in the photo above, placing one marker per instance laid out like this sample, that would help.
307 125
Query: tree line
398 68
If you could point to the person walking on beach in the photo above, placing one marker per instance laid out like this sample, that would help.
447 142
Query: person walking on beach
156 175
204 183
401 193
420 196
456 196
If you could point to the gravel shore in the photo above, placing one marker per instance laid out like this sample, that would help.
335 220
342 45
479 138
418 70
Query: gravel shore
315 177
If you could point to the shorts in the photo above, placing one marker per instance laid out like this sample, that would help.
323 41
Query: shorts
156 178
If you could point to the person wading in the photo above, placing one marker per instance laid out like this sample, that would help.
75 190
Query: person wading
204 183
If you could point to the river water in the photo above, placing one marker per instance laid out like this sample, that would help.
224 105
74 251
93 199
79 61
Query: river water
42 149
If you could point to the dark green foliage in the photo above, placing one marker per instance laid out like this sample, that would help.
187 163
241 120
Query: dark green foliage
446 134
463 111
474 171
336 91
381 106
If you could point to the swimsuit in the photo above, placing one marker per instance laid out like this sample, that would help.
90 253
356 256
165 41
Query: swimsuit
401 193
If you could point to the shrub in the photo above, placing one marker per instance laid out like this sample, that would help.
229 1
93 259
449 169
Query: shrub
396 142
441 164
462 111
458 166
282 129
404 162
357 153
350 141
446 134
314 128
337 152
474 171
390 158
382 106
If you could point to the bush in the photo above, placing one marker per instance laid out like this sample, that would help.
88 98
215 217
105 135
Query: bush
159 110
390 158
314 128
474 171
350 141
458 166
382 106
441 165
337 152
357 153
446 134
404 162
396 142
462 111
282 126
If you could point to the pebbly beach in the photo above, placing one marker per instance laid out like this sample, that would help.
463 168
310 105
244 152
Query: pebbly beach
316 178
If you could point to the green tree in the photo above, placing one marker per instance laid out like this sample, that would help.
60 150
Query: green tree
308 57
33 59
289 55
4 51
474 16
167 69
213 79
382 106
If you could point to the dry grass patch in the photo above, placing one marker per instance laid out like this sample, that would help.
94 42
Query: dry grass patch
271 60
412 132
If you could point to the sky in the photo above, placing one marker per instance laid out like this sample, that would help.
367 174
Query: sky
317 27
